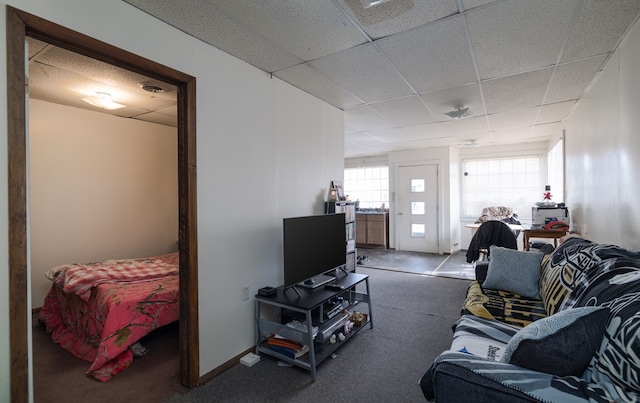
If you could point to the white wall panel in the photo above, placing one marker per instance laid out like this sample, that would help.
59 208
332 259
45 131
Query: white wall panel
602 151
264 150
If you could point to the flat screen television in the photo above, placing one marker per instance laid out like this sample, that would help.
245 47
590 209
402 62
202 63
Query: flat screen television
313 245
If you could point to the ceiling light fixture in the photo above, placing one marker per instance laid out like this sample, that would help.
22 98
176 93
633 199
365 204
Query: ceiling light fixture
459 113
470 143
370 3
151 87
103 100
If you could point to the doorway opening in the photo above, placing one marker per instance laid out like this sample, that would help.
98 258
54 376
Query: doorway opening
19 26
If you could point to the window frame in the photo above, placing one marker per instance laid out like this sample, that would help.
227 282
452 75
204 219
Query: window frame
540 154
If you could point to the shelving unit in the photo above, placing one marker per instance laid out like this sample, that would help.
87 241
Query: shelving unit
349 210
310 305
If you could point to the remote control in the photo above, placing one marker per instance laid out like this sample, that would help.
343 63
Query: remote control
334 287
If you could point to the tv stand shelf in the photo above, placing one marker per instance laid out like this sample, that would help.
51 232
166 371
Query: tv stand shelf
310 305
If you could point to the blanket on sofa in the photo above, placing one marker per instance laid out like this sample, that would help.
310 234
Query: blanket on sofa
580 273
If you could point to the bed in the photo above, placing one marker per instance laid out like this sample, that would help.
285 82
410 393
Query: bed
99 311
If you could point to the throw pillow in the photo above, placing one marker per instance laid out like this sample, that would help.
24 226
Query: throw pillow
514 271
561 344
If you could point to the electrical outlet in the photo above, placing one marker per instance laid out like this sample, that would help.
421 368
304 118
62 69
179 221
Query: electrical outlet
244 291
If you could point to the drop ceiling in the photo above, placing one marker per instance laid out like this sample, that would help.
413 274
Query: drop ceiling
59 76
398 67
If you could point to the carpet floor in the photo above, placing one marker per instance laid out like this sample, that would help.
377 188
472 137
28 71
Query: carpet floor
412 316
452 266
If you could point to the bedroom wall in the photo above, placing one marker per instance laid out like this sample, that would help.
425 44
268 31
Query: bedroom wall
602 151
101 187
265 150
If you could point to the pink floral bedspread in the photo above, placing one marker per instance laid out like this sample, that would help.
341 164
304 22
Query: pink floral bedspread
115 314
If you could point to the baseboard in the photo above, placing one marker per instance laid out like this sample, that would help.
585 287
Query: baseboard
224 367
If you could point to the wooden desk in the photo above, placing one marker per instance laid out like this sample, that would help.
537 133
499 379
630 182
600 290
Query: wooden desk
542 233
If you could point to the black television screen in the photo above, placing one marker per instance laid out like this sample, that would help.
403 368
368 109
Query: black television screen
313 245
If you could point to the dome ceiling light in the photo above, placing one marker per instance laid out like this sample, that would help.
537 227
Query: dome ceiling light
459 113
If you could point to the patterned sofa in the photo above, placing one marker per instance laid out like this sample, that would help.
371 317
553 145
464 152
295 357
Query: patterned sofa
568 332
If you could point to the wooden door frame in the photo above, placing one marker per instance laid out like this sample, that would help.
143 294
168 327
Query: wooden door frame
19 25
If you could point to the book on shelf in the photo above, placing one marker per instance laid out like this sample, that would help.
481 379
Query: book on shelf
290 348
289 352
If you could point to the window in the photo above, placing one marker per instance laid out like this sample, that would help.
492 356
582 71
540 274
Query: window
512 182
368 185
555 172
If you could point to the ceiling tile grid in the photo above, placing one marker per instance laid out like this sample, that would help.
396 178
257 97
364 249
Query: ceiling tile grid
307 29
434 57
397 16
308 79
365 73
395 68
408 111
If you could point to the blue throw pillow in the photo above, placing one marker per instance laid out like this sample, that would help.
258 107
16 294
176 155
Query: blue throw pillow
514 271
561 344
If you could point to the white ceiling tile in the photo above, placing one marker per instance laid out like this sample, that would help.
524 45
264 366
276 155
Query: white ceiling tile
513 136
79 67
466 128
548 130
408 111
554 112
469 4
365 118
421 132
523 118
570 79
360 139
205 22
433 57
398 15
598 27
307 29
518 35
308 79
516 92
363 72
468 96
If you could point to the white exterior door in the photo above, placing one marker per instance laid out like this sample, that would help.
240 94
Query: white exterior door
417 208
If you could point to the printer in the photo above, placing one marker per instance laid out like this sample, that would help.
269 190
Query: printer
542 215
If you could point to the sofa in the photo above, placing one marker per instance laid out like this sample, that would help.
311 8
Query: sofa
563 327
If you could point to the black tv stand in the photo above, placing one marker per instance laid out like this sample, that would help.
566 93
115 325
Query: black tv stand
294 289
316 281
310 303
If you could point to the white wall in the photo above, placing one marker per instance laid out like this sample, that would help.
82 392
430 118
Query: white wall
101 187
264 151
602 151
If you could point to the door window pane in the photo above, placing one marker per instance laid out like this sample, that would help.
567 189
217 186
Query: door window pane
417 230
417 185
417 208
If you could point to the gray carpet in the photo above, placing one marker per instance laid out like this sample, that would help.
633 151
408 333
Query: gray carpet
412 315
453 266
